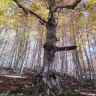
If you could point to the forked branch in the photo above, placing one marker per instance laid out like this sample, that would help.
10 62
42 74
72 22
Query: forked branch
67 6
29 12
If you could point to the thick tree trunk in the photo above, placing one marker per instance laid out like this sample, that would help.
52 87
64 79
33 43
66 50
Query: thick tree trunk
49 49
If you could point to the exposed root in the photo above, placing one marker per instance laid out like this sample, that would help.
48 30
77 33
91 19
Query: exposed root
45 89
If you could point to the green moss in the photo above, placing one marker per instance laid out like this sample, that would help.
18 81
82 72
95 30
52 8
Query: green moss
45 89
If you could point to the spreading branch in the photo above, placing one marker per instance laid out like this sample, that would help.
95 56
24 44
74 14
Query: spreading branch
66 48
67 6
29 12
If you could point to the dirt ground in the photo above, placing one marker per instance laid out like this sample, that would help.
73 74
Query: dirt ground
10 81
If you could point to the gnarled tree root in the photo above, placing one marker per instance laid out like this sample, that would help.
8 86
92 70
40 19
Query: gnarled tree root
45 89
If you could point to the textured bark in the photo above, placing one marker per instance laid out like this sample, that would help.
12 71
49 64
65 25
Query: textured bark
66 48
49 47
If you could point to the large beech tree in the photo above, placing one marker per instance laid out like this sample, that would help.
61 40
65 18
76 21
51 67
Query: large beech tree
50 47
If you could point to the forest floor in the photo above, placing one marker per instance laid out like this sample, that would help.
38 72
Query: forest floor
10 81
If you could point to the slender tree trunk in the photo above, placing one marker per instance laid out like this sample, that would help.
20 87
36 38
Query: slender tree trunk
81 56
92 68
79 71
2 54
87 59
62 56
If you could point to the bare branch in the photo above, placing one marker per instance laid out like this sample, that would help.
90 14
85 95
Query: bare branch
29 12
68 6
66 48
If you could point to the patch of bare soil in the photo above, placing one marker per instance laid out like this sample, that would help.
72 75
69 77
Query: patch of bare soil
88 89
